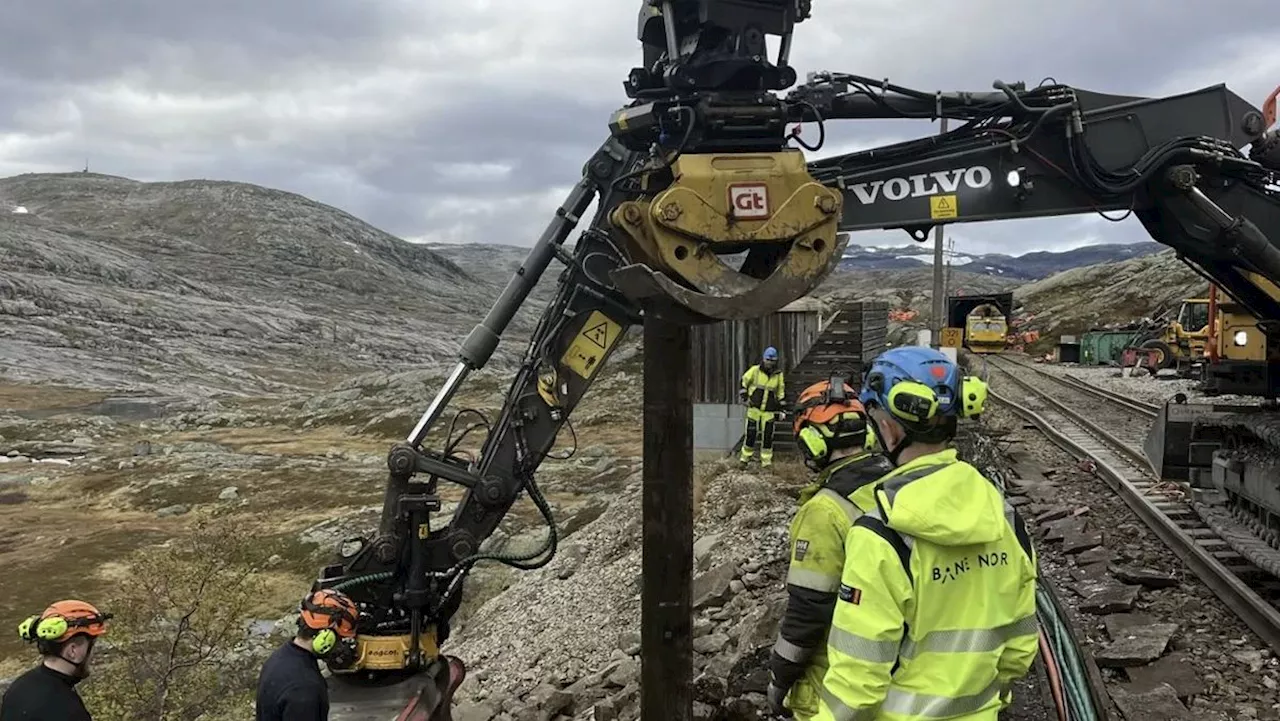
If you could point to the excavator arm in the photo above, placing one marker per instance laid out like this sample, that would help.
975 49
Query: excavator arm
1174 163
697 170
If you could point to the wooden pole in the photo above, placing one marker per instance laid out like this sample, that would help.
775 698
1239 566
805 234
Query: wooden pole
666 612
939 283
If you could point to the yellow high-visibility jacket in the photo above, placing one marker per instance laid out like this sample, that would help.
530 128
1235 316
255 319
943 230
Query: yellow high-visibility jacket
937 609
764 390
829 507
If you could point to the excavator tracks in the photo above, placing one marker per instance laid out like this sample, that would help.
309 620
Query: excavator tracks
1064 410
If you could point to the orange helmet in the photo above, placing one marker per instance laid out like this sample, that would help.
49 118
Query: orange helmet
829 417
63 620
330 609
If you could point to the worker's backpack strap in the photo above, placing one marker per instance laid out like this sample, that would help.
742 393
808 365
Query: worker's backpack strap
874 522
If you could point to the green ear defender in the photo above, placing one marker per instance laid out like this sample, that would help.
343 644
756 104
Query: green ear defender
324 642
24 628
46 629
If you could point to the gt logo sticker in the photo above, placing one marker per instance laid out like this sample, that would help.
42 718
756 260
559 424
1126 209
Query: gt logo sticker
849 594
749 201
802 547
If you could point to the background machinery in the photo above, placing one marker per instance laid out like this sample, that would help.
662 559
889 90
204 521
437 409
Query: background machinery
1178 343
698 166
1238 357
983 318
986 329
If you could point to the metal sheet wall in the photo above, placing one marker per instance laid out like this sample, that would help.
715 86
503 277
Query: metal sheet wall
723 351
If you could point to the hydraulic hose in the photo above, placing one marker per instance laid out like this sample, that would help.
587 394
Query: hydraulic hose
1065 661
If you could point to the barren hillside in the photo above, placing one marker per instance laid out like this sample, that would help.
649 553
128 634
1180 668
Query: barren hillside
198 288
1073 301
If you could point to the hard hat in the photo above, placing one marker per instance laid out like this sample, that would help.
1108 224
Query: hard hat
828 417
333 614
63 620
771 353
918 386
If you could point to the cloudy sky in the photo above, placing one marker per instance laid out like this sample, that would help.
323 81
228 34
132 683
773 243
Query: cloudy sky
468 121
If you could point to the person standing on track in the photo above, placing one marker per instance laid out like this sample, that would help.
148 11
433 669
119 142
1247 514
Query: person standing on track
936 610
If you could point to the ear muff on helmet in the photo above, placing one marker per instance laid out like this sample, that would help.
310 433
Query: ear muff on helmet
63 620
332 615
973 396
817 441
913 402
813 447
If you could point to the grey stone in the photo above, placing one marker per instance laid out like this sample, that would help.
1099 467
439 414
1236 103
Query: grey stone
1158 704
472 711
167 511
703 548
230 493
1101 554
1118 623
1177 670
711 644
1076 542
1111 599
711 588
1148 577
1137 645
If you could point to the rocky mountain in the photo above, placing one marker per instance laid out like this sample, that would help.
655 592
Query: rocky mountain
199 287
1028 266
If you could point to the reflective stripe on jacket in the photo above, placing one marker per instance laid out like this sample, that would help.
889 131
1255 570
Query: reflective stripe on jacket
840 494
764 390
936 611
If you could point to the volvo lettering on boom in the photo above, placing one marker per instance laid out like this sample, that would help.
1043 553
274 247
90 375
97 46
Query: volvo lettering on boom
922 185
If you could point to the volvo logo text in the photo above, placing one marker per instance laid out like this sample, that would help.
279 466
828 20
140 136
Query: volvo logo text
922 185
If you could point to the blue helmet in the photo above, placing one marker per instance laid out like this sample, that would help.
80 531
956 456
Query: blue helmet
916 385
771 353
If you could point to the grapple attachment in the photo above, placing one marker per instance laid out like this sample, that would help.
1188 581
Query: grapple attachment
764 204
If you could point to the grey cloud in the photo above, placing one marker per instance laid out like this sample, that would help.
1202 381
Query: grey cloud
380 108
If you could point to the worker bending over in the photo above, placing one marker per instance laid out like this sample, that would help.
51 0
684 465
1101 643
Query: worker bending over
64 634
762 391
290 685
936 610
832 433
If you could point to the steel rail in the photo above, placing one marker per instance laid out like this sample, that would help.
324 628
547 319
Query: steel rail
1075 383
1260 615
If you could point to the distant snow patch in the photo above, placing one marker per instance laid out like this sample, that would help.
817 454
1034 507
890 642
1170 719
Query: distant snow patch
20 210
354 247
928 259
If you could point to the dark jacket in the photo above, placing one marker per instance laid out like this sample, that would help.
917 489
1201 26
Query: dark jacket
43 694
291 687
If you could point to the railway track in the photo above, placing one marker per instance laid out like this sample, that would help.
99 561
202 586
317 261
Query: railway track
1063 408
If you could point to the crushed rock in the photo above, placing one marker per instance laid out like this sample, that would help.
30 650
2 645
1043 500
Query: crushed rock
568 643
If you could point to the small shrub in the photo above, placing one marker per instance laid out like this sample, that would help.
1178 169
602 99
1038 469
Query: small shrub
176 650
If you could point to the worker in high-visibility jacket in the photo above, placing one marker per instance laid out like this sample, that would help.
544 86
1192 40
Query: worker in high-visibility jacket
834 438
936 614
762 390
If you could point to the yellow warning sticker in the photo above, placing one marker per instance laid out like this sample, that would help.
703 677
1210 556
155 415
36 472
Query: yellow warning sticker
595 339
942 206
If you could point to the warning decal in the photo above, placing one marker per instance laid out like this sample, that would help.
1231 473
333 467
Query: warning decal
588 348
598 334
942 206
